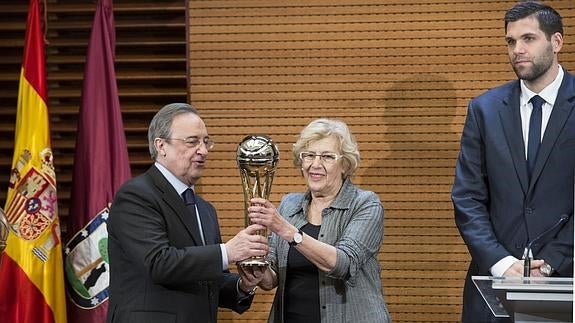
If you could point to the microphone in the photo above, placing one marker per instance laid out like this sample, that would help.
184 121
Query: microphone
527 253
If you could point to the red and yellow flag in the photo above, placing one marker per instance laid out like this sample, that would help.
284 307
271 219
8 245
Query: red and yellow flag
31 274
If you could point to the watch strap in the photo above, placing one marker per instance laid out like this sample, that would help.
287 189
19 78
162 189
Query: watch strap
294 243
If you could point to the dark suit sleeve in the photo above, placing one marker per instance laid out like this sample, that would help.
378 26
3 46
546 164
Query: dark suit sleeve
470 197
558 252
229 296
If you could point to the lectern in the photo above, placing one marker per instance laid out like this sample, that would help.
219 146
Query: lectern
528 299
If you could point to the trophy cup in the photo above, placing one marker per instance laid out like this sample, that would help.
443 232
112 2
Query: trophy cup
257 158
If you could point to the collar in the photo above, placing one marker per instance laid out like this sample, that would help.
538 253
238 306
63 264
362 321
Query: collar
178 185
549 93
341 201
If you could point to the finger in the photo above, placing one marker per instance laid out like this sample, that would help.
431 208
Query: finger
258 201
258 273
253 216
252 228
255 208
536 263
536 273
249 271
257 246
260 240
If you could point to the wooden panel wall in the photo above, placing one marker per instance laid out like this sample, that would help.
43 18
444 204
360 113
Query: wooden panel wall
399 72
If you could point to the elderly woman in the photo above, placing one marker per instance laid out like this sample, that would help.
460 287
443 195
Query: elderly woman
324 246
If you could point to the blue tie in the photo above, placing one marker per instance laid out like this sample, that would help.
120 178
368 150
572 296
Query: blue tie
534 140
207 224
191 219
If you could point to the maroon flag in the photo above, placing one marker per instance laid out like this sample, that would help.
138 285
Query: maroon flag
101 165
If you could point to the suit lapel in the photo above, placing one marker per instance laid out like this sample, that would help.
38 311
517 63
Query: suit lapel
511 123
561 111
177 205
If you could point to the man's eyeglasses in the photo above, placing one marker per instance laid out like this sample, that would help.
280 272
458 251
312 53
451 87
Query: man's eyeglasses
193 142
328 158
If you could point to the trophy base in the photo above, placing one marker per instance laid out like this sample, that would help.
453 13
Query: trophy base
254 263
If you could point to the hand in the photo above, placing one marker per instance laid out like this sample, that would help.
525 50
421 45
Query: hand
264 212
250 276
535 272
247 244
516 270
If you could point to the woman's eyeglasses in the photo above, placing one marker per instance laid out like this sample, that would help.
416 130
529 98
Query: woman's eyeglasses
328 158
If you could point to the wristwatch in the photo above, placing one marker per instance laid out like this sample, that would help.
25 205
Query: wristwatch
297 238
546 269
250 292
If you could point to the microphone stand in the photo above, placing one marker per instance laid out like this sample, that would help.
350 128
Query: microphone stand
527 261
527 254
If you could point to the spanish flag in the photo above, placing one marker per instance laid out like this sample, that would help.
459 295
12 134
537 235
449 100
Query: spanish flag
31 272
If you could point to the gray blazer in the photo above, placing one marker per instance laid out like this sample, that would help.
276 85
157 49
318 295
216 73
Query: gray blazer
353 223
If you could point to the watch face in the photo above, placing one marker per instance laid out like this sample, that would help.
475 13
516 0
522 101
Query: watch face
297 238
546 269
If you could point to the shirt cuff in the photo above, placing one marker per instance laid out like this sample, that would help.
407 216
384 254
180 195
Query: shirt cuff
224 257
502 265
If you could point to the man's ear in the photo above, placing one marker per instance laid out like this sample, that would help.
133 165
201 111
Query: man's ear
557 42
159 144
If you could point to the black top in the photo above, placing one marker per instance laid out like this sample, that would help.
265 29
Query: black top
302 284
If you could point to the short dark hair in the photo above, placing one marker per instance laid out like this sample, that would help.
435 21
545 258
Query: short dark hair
549 19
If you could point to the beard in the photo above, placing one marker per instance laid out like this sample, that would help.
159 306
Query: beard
541 64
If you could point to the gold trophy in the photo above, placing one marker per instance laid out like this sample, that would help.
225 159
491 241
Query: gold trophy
257 158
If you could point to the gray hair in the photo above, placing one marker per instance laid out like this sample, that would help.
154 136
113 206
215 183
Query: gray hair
325 128
161 124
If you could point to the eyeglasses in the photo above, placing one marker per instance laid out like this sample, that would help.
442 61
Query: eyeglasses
193 142
328 158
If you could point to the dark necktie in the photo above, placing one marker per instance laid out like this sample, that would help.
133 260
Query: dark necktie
208 227
191 219
534 140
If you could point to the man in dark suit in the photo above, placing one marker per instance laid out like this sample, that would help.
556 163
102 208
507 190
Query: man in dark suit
167 262
514 174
